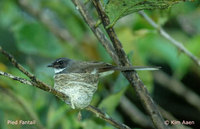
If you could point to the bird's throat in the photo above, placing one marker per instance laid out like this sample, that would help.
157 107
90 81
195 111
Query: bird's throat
58 70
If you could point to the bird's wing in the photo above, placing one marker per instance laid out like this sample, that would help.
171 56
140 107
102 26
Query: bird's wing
87 67
99 67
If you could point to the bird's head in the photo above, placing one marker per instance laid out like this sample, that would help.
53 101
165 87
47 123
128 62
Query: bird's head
59 64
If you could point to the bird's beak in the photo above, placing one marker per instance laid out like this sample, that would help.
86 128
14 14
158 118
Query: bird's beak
50 65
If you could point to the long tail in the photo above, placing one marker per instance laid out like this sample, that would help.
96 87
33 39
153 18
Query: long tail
128 68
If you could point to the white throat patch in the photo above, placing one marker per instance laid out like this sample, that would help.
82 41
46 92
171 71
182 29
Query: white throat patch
58 70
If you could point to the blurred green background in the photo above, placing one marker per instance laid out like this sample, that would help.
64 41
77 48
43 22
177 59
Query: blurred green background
31 33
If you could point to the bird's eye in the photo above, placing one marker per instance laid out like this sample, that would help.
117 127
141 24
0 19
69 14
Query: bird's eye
61 62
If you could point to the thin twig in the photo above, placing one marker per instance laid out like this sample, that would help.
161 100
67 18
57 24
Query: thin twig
112 35
35 82
132 77
96 30
178 88
176 43
22 80
23 105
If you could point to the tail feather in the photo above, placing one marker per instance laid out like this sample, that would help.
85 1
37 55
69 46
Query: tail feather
130 68
137 68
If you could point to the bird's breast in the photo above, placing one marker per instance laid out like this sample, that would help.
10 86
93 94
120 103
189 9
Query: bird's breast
85 78
79 87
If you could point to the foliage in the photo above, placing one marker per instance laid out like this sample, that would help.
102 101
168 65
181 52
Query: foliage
125 7
35 46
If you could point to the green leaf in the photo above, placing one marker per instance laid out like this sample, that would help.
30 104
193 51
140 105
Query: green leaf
110 103
115 9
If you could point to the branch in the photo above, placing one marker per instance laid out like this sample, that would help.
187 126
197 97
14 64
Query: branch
22 80
138 117
106 117
176 43
178 88
60 32
96 30
35 82
136 82
132 77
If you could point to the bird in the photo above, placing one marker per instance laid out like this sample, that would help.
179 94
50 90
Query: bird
79 79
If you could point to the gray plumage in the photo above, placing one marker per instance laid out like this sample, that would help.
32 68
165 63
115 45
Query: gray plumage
79 79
